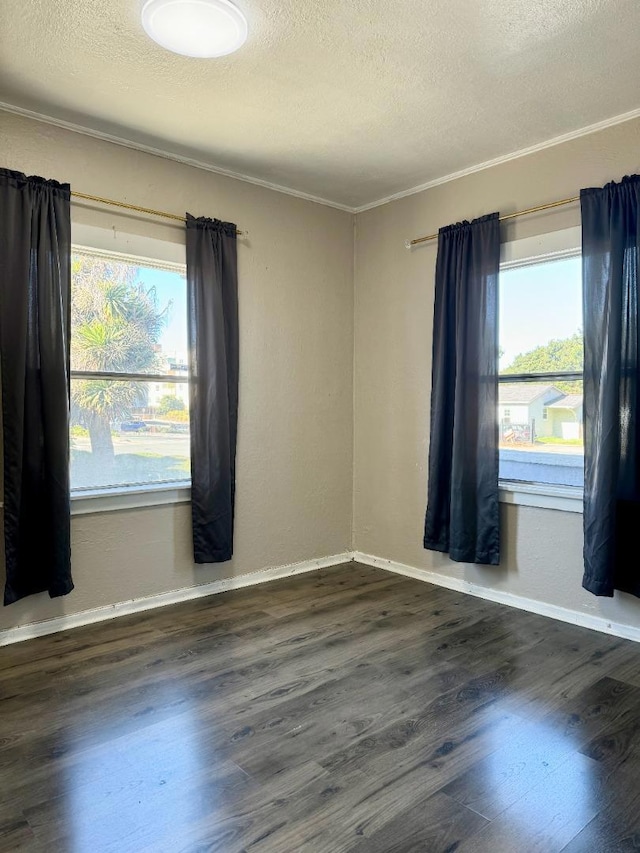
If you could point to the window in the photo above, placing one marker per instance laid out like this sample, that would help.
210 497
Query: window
129 373
541 356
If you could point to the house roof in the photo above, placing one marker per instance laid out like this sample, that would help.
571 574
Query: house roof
569 401
524 392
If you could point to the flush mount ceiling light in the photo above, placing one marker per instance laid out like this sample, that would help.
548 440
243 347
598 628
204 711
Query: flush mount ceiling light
202 28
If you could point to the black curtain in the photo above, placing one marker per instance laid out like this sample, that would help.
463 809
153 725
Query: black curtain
462 512
212 293
610 268
35 270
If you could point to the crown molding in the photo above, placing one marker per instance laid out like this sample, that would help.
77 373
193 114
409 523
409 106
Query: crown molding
169 155
505 158
238 176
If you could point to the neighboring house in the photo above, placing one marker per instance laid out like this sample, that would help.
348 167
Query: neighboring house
157 390
527 410
523 409
565 416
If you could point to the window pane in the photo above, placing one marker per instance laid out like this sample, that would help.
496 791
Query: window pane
535 448
128 433
540 423
126 317
541 317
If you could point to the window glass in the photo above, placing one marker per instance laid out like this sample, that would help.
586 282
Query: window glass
540 422
128 319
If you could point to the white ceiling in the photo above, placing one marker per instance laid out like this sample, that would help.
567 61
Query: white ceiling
347 100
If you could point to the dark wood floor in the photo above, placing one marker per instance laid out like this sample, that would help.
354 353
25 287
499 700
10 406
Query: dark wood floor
344 710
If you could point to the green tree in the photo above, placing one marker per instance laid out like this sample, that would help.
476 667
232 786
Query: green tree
115 326
558 355
169 403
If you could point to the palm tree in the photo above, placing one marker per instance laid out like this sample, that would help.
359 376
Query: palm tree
115 326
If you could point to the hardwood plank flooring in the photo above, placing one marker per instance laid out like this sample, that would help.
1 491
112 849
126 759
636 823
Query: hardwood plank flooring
342 711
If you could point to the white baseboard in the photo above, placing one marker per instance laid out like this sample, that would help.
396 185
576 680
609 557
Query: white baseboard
553 611
136 605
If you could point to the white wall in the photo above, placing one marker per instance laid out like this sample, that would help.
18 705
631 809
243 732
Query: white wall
516 414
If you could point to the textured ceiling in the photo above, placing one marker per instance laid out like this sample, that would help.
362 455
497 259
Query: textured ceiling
348 100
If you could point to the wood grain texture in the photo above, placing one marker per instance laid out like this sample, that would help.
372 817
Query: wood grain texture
341 711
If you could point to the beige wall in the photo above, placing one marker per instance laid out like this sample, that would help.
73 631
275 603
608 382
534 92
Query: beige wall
542 549
294 464
311 451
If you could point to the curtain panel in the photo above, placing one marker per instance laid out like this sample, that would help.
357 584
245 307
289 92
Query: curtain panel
462 515
610 270
35 284
212 300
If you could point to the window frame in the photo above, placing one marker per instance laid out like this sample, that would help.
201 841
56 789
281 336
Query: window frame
143 250
524 252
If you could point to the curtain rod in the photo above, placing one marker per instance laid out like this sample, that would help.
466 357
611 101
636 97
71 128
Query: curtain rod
126 206
551 204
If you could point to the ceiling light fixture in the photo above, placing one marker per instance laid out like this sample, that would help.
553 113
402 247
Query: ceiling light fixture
201 28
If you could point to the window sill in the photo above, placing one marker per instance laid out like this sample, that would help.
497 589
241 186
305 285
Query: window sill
133 497
565 498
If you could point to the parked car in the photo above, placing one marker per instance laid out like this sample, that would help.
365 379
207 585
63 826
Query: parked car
132 426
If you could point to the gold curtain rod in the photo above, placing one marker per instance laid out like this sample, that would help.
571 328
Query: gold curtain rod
126 206
536 209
